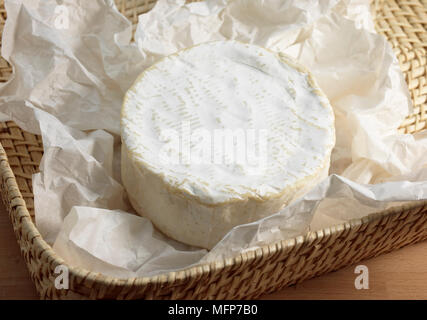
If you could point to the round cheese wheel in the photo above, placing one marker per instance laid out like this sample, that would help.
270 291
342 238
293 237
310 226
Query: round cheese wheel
222 134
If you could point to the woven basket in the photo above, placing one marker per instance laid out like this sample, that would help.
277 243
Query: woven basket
247 275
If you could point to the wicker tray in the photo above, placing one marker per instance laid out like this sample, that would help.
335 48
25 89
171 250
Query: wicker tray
248 275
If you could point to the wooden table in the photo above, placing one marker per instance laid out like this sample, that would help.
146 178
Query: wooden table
401 274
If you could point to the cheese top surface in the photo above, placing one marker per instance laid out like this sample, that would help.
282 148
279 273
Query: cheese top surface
225 121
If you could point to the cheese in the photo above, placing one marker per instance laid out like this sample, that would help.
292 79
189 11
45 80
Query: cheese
222 134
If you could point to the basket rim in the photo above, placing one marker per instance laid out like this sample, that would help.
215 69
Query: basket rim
173 276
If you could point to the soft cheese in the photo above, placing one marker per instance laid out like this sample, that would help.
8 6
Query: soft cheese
222 134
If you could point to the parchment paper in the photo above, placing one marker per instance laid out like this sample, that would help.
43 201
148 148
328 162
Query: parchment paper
74 60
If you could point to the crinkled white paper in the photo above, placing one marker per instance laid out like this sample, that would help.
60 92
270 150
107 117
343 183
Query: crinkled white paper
74 60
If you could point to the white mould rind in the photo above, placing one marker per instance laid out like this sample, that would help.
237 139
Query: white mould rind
223 85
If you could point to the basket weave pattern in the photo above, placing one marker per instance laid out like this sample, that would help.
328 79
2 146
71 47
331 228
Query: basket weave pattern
248 275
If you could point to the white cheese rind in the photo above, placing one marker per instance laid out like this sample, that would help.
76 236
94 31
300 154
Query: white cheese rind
217 86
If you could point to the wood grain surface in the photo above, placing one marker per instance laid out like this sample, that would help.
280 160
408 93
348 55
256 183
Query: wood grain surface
401 274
